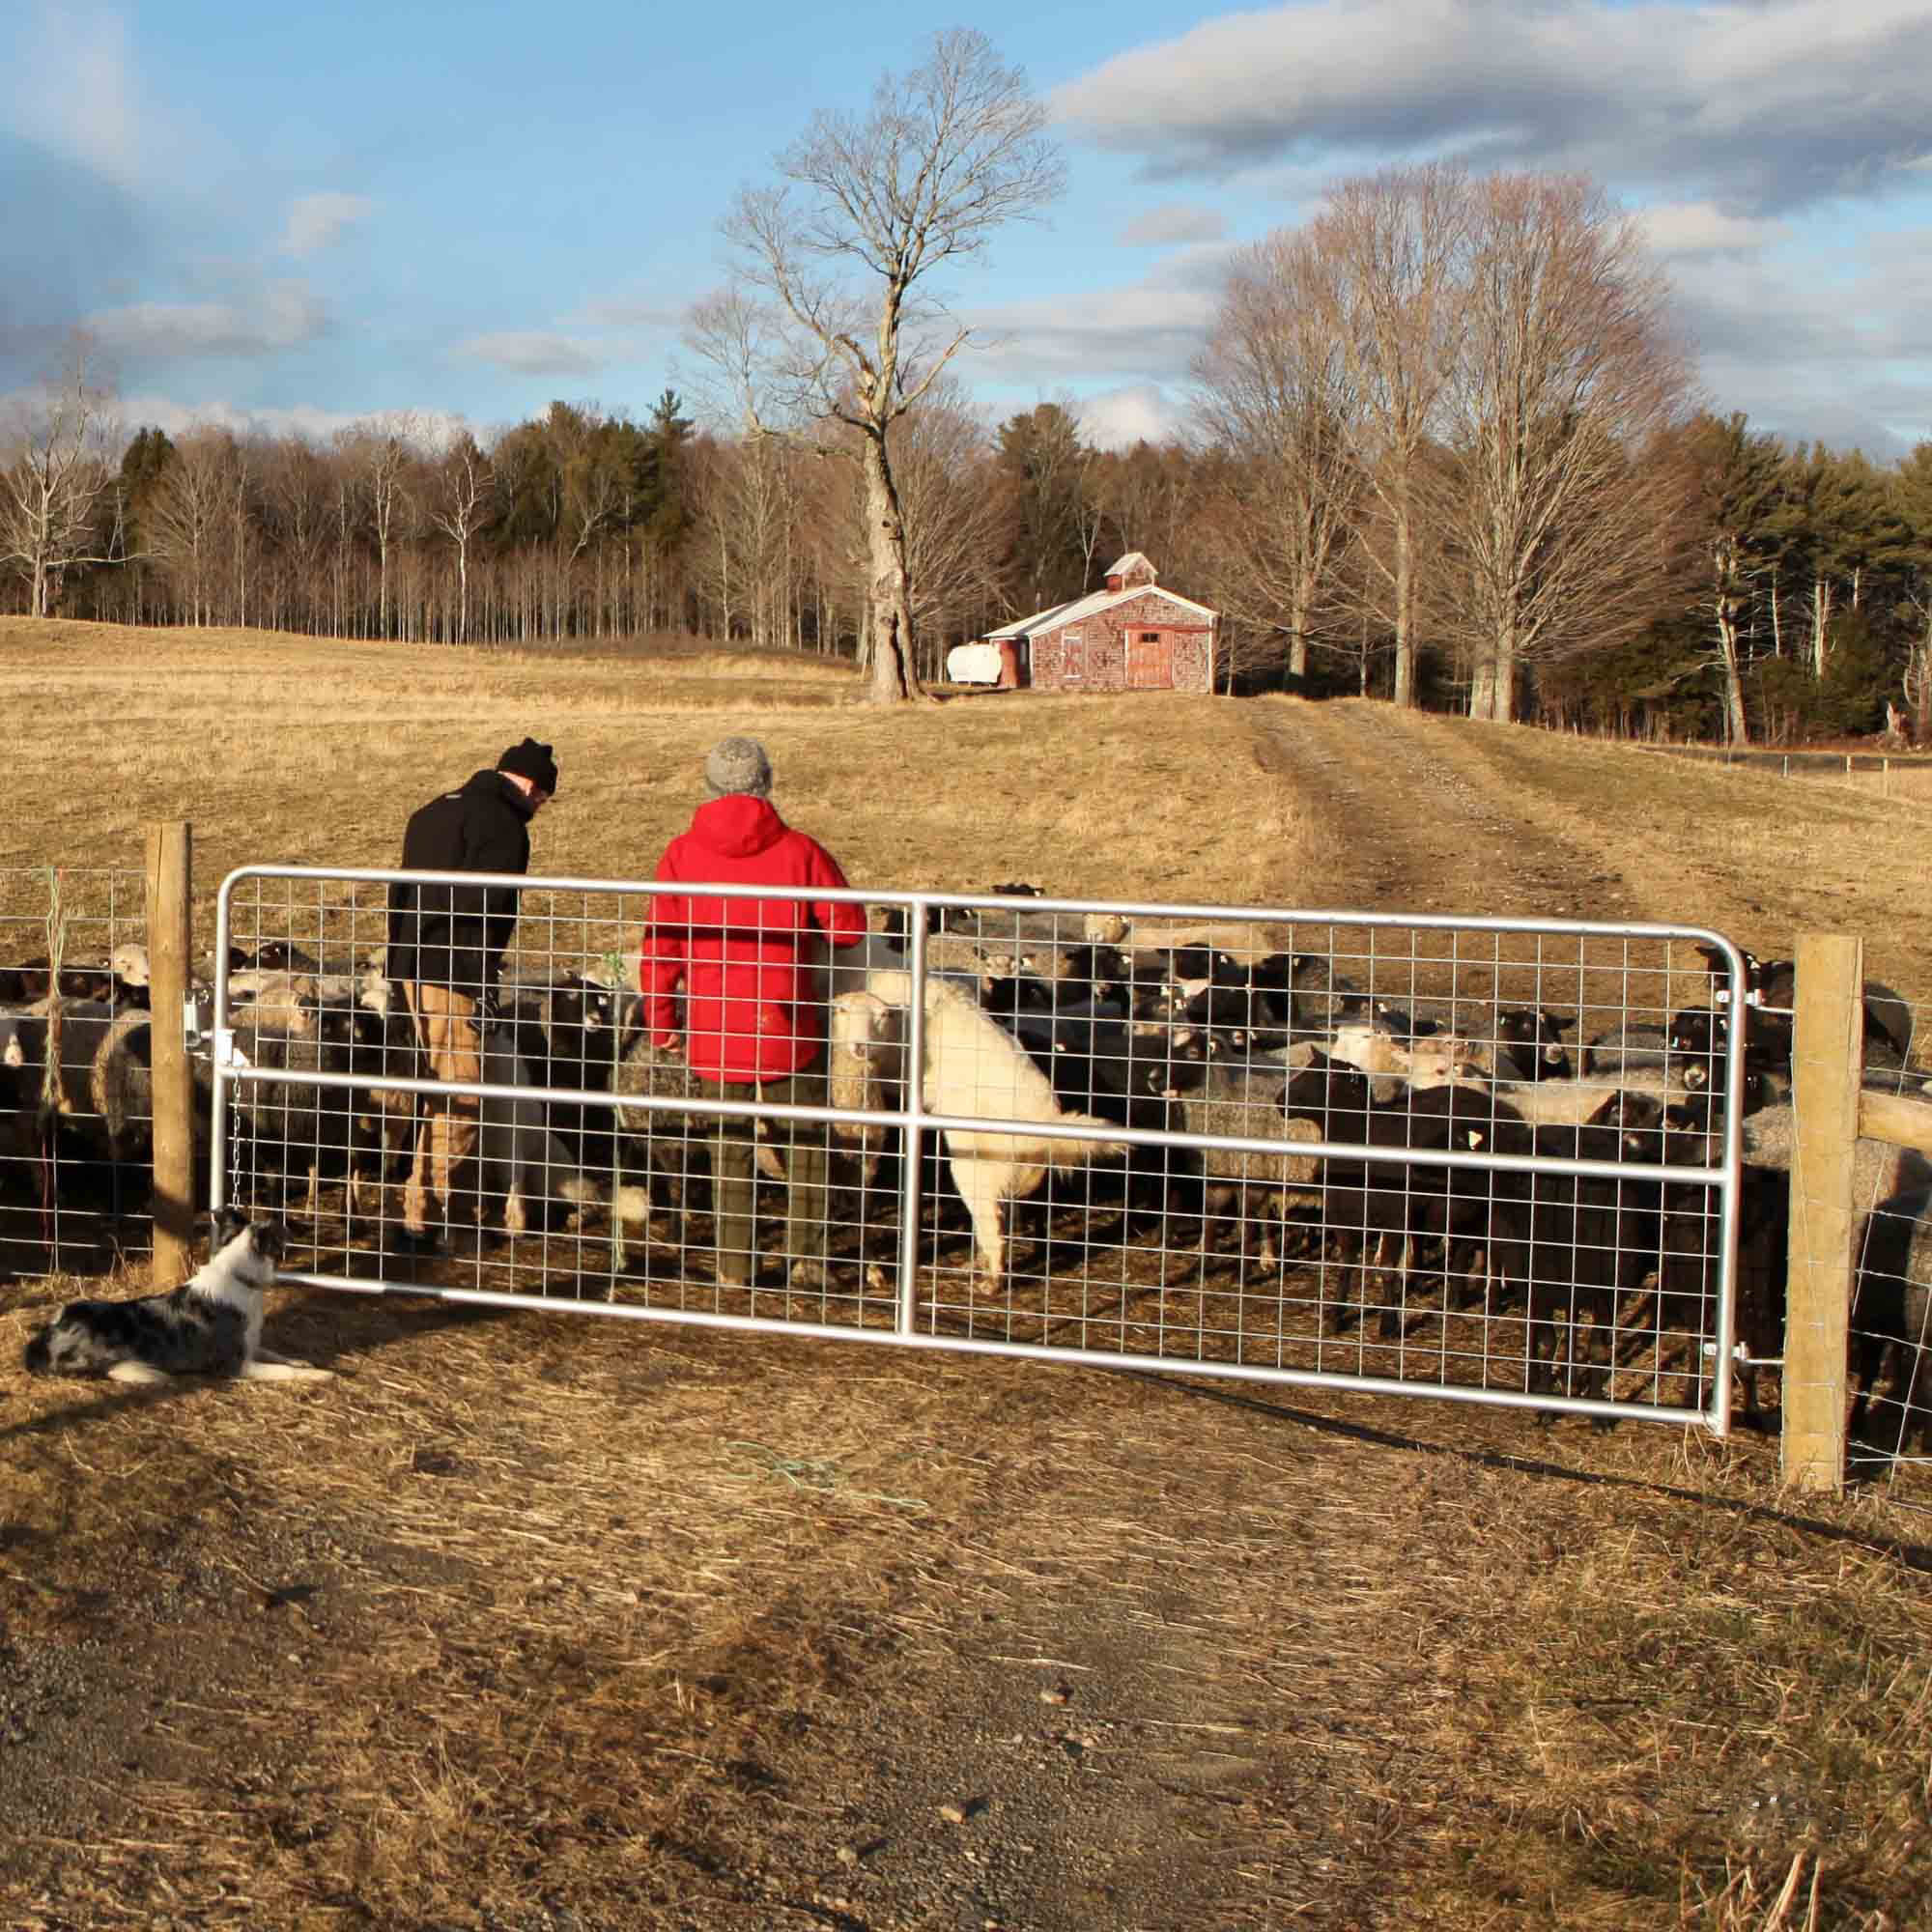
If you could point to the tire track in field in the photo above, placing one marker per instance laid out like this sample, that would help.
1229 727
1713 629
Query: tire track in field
1396 826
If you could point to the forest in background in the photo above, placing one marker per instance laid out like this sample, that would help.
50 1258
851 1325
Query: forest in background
1811 568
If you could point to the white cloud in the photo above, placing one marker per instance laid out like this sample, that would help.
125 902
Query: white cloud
1702 228
1141 332
284 315
315 220
430 429
1768 104
1120 418
1828 342
1176 221
532 351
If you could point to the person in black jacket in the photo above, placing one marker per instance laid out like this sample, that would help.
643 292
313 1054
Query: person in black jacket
445 946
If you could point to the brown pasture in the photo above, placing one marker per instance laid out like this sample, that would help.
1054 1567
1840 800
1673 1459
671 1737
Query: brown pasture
533 1622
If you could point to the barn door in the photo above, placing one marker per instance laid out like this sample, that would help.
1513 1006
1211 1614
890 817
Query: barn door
1150 660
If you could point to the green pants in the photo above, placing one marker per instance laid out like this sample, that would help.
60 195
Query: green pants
805 1146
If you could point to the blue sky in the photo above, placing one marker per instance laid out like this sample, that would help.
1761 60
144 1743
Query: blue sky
304 217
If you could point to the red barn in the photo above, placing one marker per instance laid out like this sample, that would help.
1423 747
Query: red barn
1132 635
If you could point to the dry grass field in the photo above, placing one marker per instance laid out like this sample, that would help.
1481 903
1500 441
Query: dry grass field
535 1624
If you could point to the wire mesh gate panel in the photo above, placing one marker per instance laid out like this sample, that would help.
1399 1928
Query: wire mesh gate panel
1476 1159
76 1091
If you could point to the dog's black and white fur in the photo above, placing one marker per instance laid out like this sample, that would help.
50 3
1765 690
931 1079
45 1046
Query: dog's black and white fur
208 1326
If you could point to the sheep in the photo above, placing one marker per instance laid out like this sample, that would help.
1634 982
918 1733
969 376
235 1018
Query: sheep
1244 1102
276 998
1620 1049
1577 1241
104 1087
1370 1200
35 980
1685 1280
972 1068
1244 940
1771 988
1879 1169
1892 1311
291 1128
1571 1104
523 1156
1435 1059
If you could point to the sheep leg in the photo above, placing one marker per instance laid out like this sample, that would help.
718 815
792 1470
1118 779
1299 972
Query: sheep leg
982 1185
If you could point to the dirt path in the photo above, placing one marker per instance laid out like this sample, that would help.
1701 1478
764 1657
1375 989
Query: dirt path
1403 820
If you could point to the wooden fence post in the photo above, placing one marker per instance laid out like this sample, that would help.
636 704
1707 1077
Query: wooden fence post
170 885
1827 1051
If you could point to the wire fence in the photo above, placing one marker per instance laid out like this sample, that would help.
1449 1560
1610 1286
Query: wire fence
1288 1145
75 1091
1319 1145
1890 1426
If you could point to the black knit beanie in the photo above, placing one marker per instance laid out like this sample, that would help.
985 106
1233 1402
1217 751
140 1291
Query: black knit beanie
532 762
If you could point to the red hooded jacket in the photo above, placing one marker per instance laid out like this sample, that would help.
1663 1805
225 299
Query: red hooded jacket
751 1008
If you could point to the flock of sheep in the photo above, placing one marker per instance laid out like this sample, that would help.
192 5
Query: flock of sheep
1196 1040
1132 1059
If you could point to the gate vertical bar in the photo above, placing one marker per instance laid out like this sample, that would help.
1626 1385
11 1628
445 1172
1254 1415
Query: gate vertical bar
169 896
913 1155
1827 1049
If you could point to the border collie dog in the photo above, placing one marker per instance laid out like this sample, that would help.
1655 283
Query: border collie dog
208 1326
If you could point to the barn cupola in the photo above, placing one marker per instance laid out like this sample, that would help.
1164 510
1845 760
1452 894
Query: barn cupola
1132 572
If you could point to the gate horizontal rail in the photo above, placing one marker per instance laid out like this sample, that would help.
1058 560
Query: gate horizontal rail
1137 1316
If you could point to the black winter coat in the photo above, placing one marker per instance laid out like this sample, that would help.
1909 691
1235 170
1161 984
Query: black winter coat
455 935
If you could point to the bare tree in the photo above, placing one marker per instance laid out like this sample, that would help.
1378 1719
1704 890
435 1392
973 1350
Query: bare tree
297 493
953 512
54 469
1147 495
459 507
870 207
379 451
1277 394
1568 374
187 514
1388 247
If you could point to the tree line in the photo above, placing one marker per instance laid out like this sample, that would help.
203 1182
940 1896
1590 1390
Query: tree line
1787 594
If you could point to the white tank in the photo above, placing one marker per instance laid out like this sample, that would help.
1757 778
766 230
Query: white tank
973 664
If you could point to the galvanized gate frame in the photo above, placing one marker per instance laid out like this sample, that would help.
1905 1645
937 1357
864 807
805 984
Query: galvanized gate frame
917 1122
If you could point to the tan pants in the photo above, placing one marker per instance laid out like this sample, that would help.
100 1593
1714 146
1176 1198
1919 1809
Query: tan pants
446 1124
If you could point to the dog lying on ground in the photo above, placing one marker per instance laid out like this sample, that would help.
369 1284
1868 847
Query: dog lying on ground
210 1326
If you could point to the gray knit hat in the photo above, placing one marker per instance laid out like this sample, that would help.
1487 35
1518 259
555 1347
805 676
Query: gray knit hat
738 765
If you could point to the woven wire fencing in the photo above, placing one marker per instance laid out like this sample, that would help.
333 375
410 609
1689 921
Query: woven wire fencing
1890 1426
1457 1159
75 1092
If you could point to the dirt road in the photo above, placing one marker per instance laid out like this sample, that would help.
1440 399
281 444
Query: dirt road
1407 820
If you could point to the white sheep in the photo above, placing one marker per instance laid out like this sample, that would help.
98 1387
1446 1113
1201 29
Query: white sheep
1433 1060
973 1067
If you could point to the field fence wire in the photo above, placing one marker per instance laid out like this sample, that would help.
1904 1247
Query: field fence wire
1889 1339
75 1183
1458 1158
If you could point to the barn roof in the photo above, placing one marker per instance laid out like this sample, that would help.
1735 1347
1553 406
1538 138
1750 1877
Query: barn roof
1057 615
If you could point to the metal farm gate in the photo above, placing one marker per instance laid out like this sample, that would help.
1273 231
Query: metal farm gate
1464 1210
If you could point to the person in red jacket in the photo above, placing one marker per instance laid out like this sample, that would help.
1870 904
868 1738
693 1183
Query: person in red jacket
752 1015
